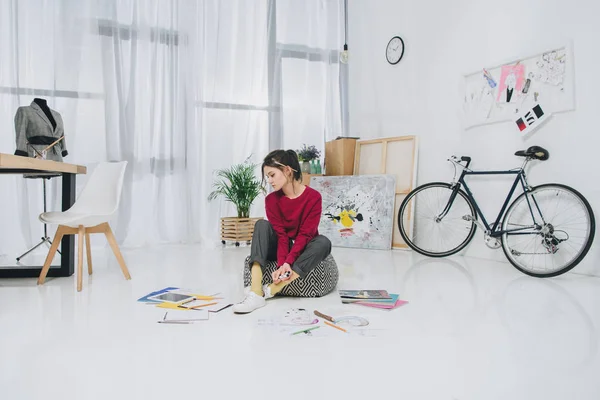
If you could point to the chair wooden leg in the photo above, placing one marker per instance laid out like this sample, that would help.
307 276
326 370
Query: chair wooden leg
80 235
88 249
55 243
112 241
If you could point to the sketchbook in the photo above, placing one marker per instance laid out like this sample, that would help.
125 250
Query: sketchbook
396 304
175 316
364 294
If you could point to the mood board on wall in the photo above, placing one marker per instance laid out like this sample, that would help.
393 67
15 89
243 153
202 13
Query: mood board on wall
525 90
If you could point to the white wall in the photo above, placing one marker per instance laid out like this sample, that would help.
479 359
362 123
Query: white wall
421 95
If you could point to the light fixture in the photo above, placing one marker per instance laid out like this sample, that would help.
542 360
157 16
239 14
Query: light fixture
344 53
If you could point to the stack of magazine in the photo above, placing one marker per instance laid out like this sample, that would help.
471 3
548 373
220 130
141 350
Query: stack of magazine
372 298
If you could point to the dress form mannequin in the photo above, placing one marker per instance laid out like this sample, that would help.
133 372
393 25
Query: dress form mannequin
44 106
37 126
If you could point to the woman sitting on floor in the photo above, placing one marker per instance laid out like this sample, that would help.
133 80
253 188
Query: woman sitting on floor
290 236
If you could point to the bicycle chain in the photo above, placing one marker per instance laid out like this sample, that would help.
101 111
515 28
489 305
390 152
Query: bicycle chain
548 253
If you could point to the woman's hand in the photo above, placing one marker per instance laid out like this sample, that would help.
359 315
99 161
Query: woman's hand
280 271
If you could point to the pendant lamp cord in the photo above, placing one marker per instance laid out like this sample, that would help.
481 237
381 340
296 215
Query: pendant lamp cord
345 24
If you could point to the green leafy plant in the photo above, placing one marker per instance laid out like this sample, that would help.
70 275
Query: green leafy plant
308 153
239 185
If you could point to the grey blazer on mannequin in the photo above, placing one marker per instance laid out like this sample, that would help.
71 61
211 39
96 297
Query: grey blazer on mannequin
34 130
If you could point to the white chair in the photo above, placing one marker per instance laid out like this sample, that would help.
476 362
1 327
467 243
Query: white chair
97 203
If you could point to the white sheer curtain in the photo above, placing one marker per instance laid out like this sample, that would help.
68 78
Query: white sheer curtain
177 88
309 37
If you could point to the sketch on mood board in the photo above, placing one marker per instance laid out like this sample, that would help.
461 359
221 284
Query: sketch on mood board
551 68
511 81
511 90
358 210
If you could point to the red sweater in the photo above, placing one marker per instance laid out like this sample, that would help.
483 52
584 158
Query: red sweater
296 219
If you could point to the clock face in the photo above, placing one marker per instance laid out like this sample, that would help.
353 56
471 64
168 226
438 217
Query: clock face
394 50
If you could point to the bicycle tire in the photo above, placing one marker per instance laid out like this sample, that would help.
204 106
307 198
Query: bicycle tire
544 245
419 245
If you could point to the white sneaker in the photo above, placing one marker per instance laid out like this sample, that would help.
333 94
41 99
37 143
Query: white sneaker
249 304
267 292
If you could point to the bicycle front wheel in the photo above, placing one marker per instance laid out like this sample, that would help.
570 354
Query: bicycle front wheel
431 231
549 230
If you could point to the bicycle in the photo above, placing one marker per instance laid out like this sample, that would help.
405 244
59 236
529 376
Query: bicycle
546 231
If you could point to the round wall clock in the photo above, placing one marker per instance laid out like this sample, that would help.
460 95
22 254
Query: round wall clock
394 50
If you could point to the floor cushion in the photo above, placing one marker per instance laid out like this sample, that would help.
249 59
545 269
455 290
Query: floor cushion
320 281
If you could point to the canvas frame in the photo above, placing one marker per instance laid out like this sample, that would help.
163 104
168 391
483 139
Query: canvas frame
397 156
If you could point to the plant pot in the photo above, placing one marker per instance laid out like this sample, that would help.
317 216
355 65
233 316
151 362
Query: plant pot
237 230
305 167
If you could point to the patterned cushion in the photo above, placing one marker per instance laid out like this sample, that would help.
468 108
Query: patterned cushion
320 281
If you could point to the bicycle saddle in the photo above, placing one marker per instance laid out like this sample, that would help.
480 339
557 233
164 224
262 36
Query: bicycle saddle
537 152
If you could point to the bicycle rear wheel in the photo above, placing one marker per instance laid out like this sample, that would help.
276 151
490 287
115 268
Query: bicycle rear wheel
436 236
555 238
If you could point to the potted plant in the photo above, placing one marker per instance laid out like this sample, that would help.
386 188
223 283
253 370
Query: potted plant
306 154
239 185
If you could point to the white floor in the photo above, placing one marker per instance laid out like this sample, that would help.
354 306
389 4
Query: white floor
473 329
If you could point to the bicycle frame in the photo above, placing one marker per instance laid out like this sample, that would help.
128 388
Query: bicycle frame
494 229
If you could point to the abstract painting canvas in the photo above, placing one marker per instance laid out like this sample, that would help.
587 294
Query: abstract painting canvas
358 210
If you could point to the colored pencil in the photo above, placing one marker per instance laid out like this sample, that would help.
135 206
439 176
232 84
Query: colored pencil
335 326
306 330
201 305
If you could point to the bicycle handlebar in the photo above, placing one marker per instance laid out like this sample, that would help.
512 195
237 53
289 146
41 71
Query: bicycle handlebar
457 160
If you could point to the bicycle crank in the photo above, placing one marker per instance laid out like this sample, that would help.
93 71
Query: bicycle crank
492 242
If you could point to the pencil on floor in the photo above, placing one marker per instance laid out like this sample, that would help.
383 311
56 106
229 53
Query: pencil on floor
335 326
306 330
174 322
201 305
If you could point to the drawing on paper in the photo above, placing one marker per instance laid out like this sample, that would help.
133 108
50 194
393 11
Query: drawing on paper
511 82
551 68
479 99
358 210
